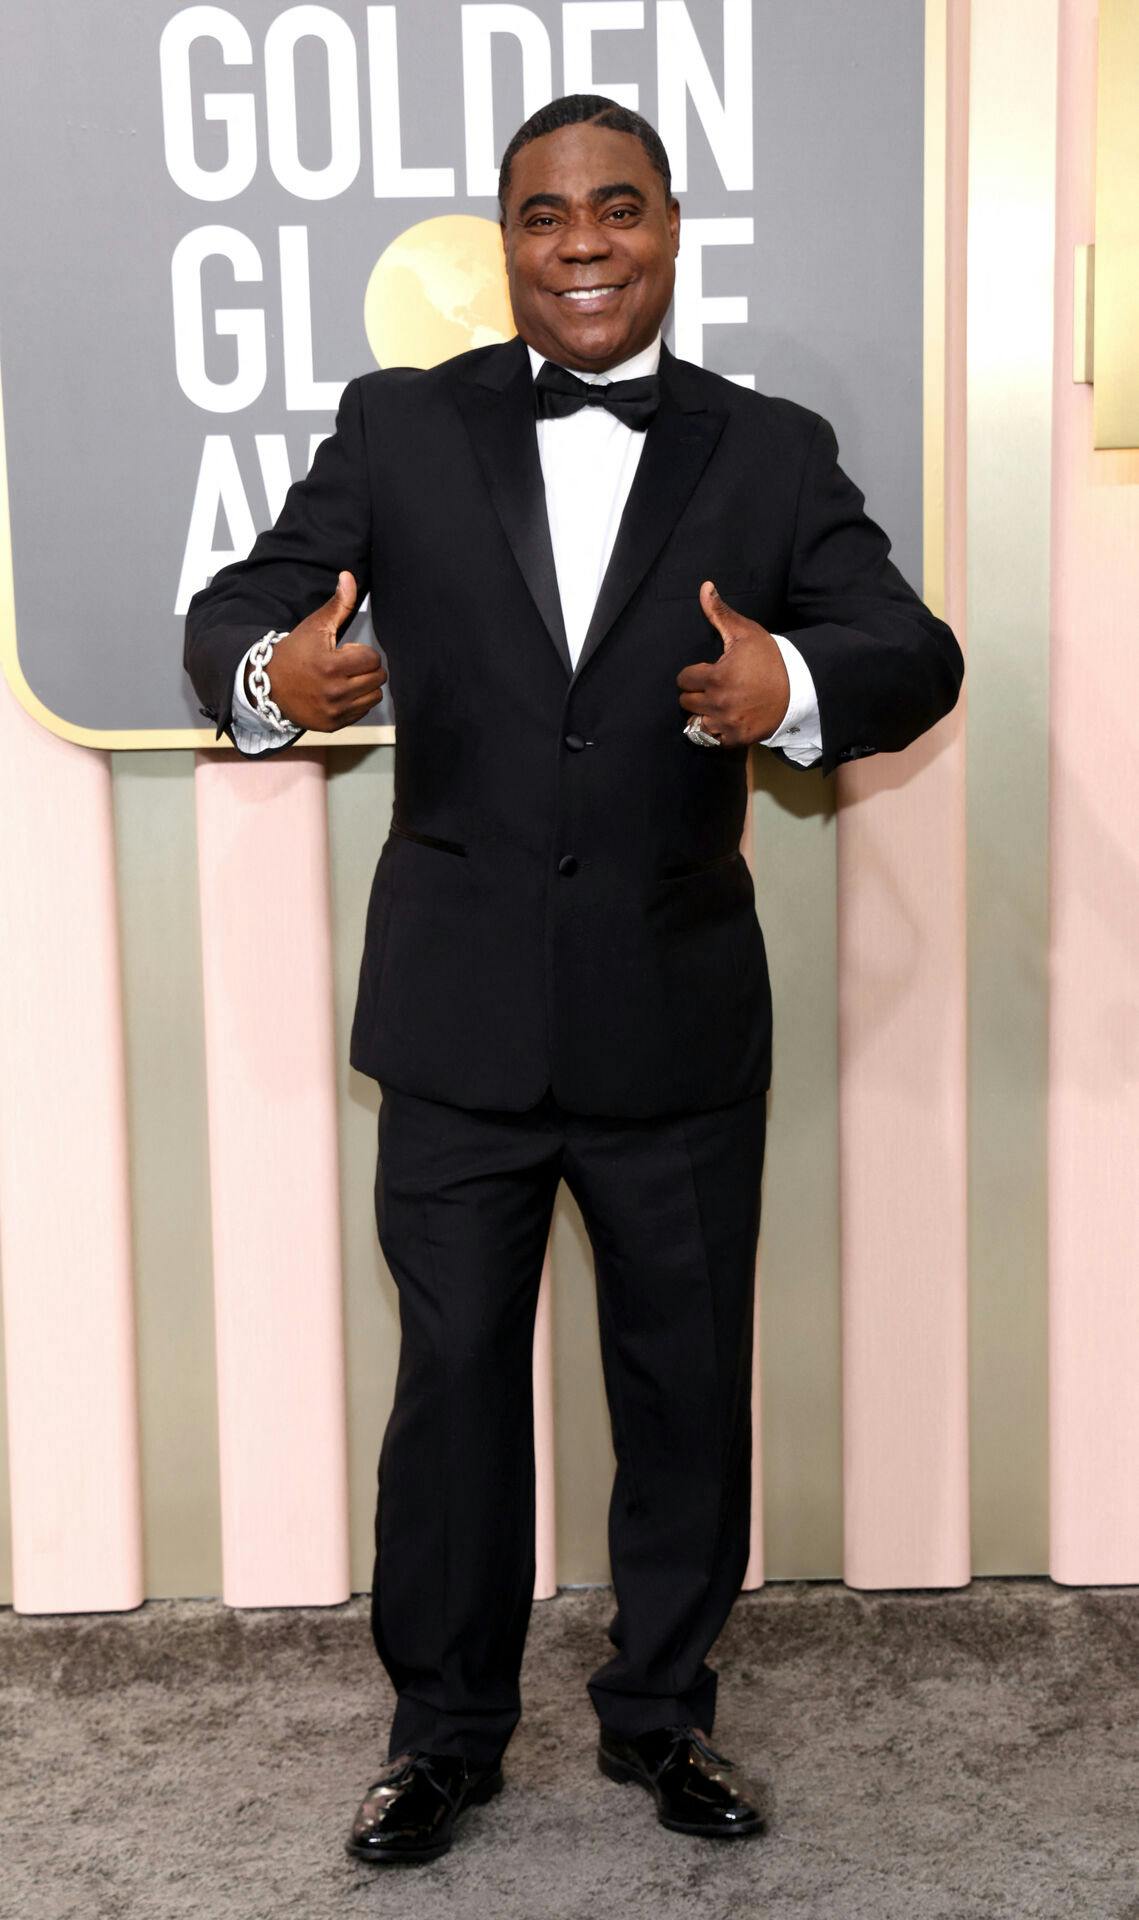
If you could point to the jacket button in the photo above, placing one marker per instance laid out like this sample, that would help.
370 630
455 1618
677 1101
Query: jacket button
567 865
574 742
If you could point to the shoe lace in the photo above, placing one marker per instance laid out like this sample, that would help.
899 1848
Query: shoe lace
414 1762
703 1745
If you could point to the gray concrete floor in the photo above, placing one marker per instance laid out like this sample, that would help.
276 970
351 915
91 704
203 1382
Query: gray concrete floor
959 1755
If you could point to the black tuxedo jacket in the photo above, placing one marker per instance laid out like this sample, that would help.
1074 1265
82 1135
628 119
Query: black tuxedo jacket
561 900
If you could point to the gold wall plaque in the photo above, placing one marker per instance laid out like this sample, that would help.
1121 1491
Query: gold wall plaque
1116 312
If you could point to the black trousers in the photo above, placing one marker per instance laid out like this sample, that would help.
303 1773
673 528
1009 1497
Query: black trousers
463 1207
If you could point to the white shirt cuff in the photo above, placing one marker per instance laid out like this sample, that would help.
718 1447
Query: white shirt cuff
800 733
252 733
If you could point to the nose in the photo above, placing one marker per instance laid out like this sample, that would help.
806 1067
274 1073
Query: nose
582 240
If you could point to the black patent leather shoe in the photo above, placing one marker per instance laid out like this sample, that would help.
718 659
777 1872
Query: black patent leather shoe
696 1789
409 1812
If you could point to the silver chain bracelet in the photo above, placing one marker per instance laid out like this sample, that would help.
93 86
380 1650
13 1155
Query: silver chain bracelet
259 658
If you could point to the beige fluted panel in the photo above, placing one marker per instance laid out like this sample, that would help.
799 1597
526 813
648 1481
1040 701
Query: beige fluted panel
271 1078
584 1460
1094 1115
1012 168
797 1377
545 1515
753 1572
796 1481
902 1031
156 865
65 1258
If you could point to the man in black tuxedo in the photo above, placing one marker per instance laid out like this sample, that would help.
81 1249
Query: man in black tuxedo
563 975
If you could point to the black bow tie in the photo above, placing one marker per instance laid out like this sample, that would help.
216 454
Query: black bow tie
558 392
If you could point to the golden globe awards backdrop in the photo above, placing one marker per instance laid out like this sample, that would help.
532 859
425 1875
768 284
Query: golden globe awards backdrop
216 215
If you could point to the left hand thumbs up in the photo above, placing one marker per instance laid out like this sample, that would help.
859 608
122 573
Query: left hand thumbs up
743 695
718 612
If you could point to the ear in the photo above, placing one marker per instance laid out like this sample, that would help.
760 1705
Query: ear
674 225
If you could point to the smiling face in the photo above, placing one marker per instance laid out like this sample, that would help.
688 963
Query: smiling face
590 244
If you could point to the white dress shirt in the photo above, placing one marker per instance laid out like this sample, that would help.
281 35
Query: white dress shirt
588 462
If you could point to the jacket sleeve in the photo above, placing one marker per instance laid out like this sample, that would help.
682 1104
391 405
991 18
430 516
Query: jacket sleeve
323 527
885 668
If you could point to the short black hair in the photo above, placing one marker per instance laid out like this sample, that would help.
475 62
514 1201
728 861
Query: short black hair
572 110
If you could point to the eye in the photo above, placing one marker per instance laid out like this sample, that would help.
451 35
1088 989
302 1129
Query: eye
622 214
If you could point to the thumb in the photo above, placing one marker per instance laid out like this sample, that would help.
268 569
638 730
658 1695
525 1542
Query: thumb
342 602
717 611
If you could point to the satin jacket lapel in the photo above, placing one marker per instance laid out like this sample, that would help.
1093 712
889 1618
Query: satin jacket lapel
497 403
678 446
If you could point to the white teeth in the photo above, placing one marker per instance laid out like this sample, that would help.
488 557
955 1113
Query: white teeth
585 293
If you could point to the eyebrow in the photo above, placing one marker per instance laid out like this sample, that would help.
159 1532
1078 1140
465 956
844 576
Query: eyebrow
597 197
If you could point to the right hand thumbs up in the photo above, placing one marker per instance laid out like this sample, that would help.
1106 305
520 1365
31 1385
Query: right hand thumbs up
318 684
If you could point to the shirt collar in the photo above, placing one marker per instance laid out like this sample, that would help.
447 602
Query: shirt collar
647 361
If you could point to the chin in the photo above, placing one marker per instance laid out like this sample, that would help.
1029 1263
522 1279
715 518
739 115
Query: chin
591 346
590 355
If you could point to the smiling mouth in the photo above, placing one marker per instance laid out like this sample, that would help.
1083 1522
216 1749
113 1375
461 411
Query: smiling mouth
583 296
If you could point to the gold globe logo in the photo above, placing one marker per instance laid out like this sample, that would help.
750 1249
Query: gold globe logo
438 289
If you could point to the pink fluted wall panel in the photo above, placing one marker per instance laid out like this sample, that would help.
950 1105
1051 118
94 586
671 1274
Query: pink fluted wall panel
902 1083
1094 1065
267 986
65 1255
